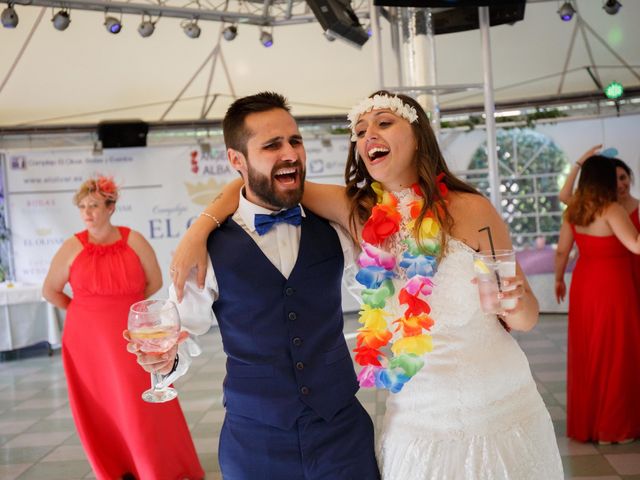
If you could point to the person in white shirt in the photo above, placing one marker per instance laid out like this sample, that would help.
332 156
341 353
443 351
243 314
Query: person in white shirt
273 284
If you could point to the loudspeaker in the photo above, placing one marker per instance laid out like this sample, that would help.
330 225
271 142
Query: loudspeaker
122 134
462 15
338 19
446 3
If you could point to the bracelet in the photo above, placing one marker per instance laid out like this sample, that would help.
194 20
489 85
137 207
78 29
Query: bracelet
175 366
205 214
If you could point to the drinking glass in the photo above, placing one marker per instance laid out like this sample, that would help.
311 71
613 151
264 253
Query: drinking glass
489 268
154 326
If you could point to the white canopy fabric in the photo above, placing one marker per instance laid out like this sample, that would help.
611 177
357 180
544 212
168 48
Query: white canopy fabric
85 75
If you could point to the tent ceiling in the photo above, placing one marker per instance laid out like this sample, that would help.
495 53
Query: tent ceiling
85 75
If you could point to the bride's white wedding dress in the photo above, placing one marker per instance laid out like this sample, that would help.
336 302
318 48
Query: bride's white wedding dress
473 411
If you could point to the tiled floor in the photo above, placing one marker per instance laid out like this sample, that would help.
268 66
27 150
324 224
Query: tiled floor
38 440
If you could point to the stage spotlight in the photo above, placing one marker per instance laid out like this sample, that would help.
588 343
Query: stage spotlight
61 20
112 25
191 29
146 28
230 32
612 6
566 11
9 17
266 38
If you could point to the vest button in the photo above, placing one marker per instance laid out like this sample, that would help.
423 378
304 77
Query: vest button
299 365
297 341
288 291
305 390
292 315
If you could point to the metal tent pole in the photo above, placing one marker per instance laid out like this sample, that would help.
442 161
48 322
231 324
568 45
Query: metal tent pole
489 109
377 45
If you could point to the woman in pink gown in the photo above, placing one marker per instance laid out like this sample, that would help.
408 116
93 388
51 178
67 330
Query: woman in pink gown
108 269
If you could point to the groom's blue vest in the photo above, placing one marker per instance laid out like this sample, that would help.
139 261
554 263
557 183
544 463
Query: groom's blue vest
283 337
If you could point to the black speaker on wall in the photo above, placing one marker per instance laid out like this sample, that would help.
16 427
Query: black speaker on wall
123 134
445 3
337 18
461 15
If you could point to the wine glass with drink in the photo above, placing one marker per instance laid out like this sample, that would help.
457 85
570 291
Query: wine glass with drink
154 326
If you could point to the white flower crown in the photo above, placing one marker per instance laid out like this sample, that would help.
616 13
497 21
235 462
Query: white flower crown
378 102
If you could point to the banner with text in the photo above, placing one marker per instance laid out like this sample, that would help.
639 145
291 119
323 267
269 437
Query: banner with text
163 188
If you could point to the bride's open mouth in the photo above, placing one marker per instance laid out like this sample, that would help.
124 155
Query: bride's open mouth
377 154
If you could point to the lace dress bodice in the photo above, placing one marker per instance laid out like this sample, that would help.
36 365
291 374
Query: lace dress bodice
475 361
473 411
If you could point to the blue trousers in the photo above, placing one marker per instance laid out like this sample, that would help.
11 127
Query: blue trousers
314 449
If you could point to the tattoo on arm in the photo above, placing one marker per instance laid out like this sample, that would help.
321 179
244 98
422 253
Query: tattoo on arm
218 197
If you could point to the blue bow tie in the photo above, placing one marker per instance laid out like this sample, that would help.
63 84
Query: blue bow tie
263 223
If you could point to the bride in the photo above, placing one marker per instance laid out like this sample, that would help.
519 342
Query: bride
463 402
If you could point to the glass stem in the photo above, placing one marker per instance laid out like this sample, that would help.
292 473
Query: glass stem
156 378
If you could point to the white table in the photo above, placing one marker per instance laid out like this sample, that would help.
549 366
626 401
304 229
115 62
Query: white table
26 319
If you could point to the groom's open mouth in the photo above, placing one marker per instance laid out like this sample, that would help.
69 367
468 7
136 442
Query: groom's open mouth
287 176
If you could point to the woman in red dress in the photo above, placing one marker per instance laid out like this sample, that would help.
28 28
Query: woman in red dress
630 203
604 315
108 269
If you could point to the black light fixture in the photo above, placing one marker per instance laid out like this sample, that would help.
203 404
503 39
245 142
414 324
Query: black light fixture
566 11
112 24
9 17
230 32
266 38
61 20
338 18
146 27
612 6
369 29
191 28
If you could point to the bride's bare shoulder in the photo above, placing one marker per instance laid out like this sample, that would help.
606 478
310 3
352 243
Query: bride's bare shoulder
468 205
471 214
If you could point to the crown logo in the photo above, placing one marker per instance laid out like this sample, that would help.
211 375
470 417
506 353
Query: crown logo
201 193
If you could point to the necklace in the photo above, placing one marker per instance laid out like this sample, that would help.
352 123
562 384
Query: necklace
414 264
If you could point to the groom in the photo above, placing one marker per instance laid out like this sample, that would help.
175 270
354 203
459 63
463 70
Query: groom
273 284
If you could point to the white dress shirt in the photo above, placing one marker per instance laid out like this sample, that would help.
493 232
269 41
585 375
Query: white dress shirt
280 245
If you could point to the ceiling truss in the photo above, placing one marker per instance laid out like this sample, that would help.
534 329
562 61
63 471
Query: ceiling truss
261 13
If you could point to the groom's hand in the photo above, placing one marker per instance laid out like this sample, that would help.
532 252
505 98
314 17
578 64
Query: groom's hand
161 362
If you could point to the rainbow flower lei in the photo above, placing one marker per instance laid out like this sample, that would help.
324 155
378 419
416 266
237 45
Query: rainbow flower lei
378 268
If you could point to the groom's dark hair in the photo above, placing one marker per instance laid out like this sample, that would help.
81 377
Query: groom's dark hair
236 134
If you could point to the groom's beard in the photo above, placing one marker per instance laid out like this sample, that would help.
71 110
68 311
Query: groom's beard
264 186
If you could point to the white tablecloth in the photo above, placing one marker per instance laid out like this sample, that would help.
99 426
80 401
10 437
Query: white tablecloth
25 318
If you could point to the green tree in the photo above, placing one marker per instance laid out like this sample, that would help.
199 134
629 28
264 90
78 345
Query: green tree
532 169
